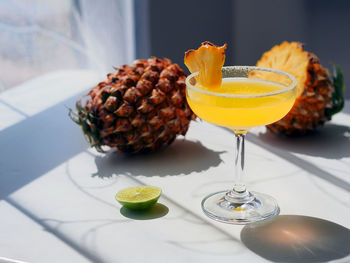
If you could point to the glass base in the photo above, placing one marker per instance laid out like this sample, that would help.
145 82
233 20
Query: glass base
256 207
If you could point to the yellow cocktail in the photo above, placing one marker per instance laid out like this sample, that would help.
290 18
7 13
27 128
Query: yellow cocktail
242 113
247 97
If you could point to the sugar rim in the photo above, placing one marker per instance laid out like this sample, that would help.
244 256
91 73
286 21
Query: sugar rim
242 72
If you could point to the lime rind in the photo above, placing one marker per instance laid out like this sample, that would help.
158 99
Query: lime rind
139 197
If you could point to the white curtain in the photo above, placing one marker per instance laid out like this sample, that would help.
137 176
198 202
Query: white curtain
41 36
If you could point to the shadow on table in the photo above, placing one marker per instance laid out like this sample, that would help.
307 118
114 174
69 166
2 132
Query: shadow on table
292 238
36 145
331 141
182 157
156 211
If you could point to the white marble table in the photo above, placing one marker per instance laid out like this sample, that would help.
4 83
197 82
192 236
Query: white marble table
57 195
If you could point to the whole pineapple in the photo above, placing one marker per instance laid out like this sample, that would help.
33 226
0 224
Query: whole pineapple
319 95
139 108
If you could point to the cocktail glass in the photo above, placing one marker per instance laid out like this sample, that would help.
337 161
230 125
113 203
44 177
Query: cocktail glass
240 111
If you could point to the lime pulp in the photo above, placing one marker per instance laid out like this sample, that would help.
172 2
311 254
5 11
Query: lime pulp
139 197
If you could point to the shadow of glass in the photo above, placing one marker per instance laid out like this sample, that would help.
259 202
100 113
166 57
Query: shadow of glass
182 157
292 238
331 141
156 211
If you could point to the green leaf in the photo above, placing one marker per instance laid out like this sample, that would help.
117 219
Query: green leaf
87 121
74 116
339 90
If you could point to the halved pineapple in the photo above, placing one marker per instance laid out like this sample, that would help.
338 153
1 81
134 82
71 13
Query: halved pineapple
319 95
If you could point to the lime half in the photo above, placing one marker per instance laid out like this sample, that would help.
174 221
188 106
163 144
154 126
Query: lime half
139 197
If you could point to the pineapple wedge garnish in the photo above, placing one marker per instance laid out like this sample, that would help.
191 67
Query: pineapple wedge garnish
208 60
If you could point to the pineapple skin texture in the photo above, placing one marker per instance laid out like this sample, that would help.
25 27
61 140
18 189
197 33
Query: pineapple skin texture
139 108
314 88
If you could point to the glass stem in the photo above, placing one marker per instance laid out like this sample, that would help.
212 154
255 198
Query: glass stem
239 192
239 185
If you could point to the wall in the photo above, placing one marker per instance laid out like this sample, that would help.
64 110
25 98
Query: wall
250 27
169 28
323 26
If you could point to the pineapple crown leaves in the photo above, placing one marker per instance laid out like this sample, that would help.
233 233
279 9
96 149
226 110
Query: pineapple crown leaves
87 121
337 80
